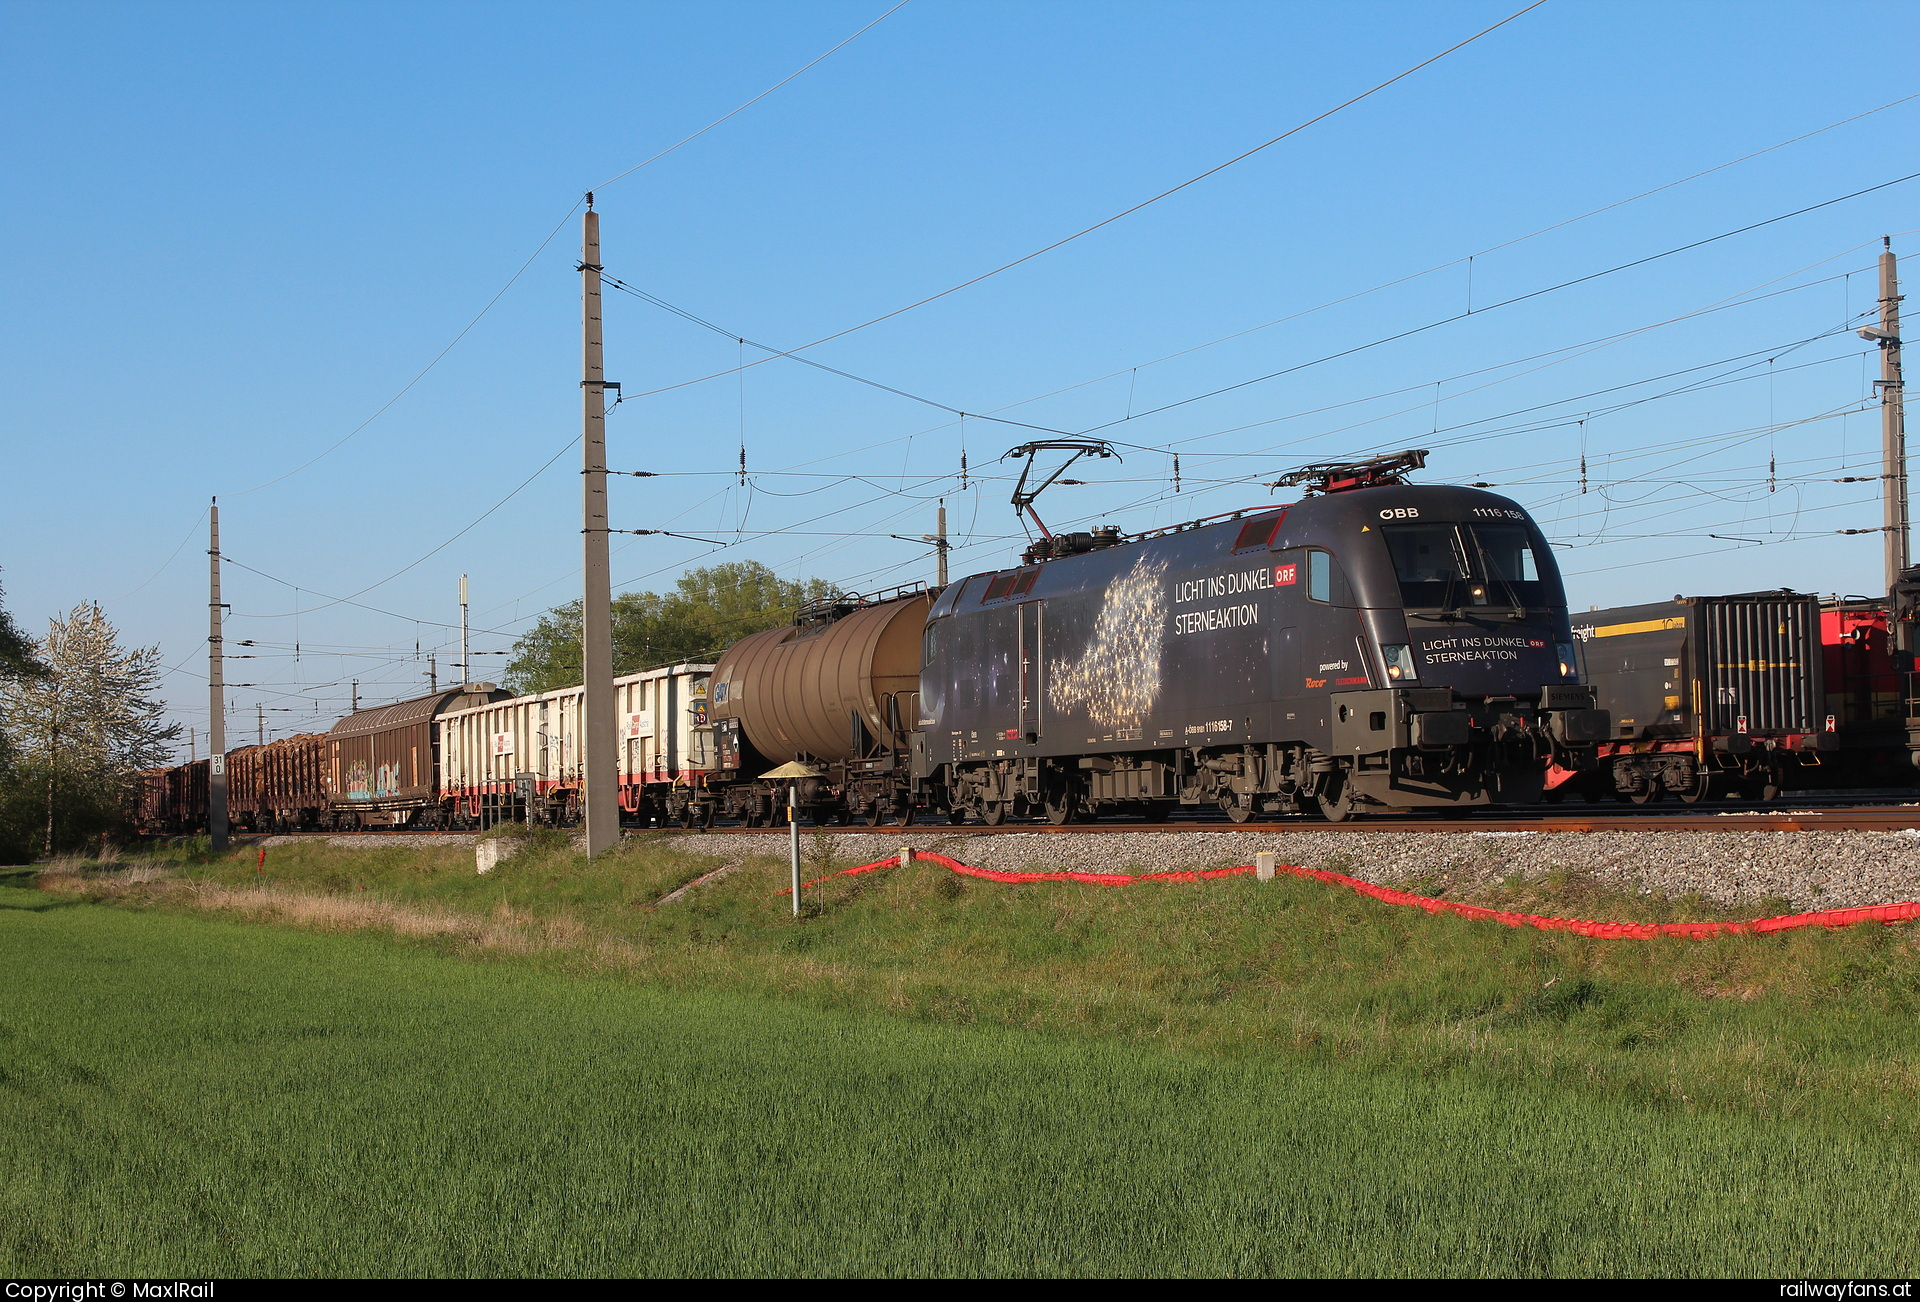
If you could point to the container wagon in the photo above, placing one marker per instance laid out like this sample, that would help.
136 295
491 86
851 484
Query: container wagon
1717 695
520 757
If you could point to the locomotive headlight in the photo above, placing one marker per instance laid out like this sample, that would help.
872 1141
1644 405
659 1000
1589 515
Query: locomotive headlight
1399 664
1565 651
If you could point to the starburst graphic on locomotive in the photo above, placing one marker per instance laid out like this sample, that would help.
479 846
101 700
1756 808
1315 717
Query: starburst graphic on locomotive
1117 677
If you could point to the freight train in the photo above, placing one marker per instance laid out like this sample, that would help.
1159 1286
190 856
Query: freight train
1746 694
1376 645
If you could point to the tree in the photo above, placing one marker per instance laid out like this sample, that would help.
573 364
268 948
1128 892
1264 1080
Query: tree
88 723
17 659
709 610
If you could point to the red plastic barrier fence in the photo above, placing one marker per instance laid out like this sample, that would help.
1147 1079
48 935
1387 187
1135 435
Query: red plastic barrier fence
1578 926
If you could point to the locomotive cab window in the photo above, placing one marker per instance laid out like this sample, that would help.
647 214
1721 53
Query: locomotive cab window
1429 562
1509 565
1326 582
930 644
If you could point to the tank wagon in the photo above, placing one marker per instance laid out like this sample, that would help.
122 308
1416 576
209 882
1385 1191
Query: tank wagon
1721 695
383 763
520 757
837 690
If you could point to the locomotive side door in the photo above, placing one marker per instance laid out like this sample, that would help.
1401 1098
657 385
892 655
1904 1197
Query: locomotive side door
1032 619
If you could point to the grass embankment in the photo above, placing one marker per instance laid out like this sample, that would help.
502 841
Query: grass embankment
188 1094
1804 1024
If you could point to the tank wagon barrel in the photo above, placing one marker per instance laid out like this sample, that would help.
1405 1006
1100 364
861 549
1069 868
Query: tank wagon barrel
837 690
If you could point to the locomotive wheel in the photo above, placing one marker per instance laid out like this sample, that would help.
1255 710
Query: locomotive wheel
1336 802
993 812
707 811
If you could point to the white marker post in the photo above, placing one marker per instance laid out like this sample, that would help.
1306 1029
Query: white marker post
1263 865
793 771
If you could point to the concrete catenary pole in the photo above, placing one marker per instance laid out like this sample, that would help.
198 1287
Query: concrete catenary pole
216 698
1893 422
600 780
466 669
941 545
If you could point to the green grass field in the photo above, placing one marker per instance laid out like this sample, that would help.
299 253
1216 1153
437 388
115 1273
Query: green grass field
421 1071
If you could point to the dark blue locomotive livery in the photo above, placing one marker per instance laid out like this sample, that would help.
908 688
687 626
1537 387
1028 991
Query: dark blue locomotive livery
1377 645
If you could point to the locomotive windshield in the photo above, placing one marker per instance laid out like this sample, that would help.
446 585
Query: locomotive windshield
1451 565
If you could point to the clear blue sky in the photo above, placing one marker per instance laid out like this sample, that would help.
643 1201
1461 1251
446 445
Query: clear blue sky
233 232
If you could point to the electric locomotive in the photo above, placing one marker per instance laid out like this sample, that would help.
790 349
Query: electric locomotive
1375 645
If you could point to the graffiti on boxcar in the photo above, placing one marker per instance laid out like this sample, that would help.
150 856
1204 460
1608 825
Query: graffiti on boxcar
386 780
358 781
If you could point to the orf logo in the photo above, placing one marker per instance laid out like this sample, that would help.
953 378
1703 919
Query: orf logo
1285 574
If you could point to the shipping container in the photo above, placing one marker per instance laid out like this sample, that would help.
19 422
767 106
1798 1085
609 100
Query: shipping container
1708 695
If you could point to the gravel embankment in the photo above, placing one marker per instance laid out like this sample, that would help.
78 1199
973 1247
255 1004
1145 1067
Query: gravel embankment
1812 870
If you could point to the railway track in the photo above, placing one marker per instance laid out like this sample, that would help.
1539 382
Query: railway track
1810 815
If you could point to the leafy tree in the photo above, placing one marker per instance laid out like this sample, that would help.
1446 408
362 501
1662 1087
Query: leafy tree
85 725
17 659
709 610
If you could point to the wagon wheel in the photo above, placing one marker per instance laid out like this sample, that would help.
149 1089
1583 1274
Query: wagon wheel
1156 811
1694 794
707 812
905 815
876 812
755 819
957 815
1061 807
1235 811
993 812
1645 795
